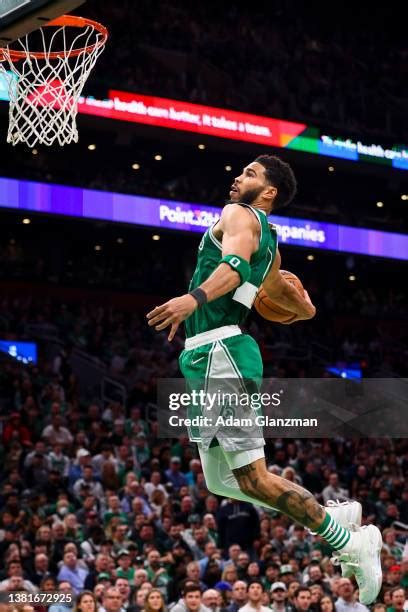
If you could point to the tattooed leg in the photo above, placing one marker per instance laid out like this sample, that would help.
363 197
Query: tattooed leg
284 495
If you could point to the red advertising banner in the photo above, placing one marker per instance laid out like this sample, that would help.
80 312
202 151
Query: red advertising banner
175 114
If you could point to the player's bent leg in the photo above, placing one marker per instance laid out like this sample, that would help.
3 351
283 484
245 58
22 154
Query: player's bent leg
219 477
287 497
359 549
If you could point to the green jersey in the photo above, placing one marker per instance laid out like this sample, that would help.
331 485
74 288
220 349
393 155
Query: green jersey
233 307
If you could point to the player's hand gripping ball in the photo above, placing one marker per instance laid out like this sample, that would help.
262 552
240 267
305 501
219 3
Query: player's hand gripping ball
272 312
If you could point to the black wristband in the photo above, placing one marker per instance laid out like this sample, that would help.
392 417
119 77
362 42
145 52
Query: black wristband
199 295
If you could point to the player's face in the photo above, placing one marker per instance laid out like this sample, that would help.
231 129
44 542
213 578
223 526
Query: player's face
249 185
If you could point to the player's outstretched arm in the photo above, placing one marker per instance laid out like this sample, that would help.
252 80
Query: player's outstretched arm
240 240
284 294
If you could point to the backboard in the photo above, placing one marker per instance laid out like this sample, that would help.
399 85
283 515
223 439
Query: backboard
19 17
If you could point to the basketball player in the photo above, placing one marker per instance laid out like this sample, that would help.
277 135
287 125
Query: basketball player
236 256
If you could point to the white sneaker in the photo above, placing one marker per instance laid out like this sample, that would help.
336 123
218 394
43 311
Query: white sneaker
362 553
345 512
348 514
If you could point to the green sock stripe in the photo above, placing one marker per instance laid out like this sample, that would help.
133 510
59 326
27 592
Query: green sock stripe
335 534
344 541
339 539
340 536
323 527
340 545
328 529
335 537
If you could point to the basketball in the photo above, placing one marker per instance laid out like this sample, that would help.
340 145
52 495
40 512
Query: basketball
272 312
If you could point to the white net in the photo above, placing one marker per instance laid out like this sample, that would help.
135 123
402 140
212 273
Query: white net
44 87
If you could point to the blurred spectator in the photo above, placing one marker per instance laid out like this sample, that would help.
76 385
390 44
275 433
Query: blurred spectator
72 572
391 545
193 574
299 544
191 600
302 599
333 490
101 565
15 431
65 587
346 600
88 484
86 602
15 579
278 597
156 571
124 569
154 602
40 570
212 600
255 595
155 485
239 596
326 604
83 459
58 460
279 539
315 577
173 474
112 600
286 573
238 523
56 433
292 588
397 599
124 587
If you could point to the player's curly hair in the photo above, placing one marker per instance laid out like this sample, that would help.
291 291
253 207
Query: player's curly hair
280 175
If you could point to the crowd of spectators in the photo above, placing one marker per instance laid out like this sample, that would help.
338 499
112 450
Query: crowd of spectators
344 70
93 502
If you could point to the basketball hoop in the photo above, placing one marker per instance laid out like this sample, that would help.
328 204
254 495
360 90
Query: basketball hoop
45 85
